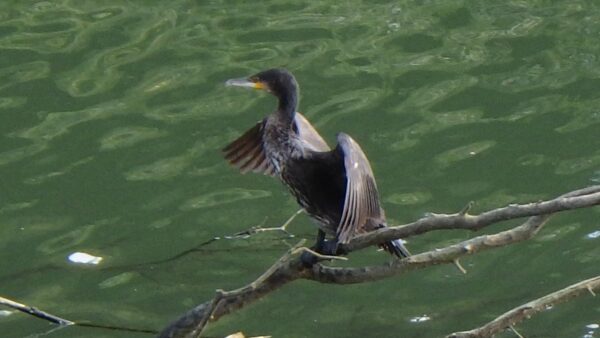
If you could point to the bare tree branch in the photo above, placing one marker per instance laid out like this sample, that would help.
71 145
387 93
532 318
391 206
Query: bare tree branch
337 275
30 310
581 198
35 312
289 267
191 324
520 313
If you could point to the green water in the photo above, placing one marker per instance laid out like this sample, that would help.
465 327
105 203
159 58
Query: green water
112 115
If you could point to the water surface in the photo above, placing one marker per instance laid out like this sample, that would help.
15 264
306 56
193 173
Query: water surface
112 116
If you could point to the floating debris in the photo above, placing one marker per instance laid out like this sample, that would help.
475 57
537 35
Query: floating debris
593 235
241 335
420 319
84 258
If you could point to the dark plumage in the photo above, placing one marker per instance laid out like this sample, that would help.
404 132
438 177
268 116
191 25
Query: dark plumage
336 187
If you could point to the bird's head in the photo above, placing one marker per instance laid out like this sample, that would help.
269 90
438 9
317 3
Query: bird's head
277 81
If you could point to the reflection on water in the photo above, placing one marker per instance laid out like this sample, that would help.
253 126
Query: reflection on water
112 117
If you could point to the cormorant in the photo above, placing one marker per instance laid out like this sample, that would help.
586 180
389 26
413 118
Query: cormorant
336 187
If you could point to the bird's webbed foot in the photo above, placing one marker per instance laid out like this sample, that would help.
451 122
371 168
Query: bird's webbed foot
308 259
323 247
331 248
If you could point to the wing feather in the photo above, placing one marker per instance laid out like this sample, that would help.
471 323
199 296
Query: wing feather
247 152
361 201
309 135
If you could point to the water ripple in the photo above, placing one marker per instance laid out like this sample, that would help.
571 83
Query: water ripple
575 165
101 71
160 170
68 240
343 104
223 197
166 168
128 136
413 198
25 72
12 102
120 279
21 153
463 152
56 124
39 179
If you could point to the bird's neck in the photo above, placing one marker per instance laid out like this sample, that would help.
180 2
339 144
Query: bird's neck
286 109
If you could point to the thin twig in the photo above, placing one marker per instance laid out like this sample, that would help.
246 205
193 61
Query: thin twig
459 266
516 332
256 229
466 208
318 255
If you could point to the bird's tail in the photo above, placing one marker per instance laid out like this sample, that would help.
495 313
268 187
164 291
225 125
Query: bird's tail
396 248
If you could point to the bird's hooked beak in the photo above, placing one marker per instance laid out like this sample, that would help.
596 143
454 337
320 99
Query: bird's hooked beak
246 82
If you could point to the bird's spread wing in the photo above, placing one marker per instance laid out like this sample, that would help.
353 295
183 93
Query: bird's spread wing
247 152
362 200
308 135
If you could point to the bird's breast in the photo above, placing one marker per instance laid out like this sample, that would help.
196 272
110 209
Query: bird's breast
281 148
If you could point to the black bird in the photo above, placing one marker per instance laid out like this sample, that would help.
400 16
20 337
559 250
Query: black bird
335 187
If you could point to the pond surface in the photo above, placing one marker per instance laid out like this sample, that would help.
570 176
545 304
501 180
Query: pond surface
113 114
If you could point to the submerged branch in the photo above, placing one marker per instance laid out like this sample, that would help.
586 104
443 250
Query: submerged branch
290 267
